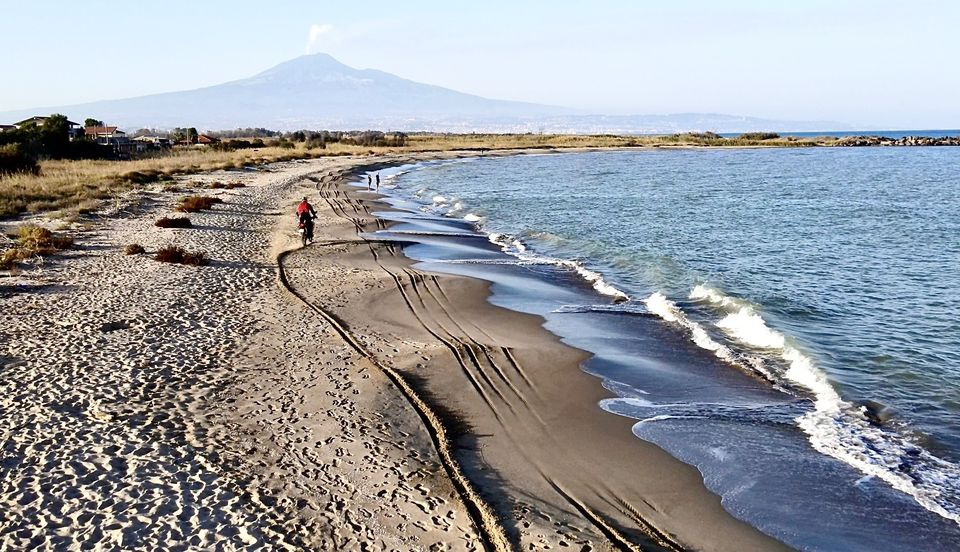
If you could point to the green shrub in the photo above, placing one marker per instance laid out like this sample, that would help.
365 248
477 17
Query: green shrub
759 136
14 159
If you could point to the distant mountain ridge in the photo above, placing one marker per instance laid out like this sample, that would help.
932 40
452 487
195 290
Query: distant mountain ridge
318 92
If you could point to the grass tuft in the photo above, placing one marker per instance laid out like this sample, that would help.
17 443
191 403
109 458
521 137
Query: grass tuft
179 255
33 241
174 222
194 204
134 249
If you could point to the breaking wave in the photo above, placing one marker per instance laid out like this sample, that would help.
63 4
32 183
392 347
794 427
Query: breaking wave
835 427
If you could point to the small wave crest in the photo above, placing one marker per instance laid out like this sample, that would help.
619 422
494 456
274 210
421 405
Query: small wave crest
513 246
658 304
834 427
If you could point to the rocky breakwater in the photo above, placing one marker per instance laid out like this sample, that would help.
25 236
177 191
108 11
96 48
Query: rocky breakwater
861 141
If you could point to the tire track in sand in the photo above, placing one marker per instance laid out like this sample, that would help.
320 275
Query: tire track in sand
488 526
414 288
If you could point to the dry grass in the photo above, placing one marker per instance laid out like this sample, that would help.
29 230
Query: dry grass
445 142
179 255
64 183
134 249
195 204
33 241
225 185
174 222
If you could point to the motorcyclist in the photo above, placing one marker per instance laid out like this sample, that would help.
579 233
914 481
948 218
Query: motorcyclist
305 214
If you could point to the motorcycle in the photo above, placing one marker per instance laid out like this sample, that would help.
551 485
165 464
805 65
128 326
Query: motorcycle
305 227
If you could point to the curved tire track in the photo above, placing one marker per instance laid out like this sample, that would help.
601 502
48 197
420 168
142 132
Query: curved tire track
492 534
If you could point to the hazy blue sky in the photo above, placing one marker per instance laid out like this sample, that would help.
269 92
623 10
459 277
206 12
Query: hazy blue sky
876 63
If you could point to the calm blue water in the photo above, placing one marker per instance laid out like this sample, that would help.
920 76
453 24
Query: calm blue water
792 326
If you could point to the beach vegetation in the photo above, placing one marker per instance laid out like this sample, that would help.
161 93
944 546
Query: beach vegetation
134 249
173 222
194 204
178 255
14 159
760 136
31 241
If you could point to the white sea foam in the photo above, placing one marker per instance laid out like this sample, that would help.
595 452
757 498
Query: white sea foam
702 292
470 217
513 246
658 304
749 327
836 427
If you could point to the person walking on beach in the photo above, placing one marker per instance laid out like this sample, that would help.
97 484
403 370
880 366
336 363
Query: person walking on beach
369 182
378 182
305 215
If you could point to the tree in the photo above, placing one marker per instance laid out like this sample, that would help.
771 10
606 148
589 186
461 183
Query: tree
90 122
55 136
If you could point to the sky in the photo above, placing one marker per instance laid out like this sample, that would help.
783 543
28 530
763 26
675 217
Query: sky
875 64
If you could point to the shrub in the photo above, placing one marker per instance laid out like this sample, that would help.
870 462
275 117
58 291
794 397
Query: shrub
134 249
193 204
759 136
141 177
286 144
179 255
232 185
32 241
37 238
10 257
174 222
217 185
13 159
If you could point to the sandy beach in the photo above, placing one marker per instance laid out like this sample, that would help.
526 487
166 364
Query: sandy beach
331 397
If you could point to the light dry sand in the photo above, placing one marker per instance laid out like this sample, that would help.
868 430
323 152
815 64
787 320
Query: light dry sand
153 406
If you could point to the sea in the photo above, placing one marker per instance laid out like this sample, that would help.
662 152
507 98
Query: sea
785 320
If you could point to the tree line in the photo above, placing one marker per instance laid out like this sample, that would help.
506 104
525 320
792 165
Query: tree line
21 148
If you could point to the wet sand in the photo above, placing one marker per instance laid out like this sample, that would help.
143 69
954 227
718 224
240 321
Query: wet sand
330 397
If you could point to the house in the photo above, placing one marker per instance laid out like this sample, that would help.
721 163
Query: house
105 135
205 140
4 128
148 142
153 141
113 137
73 128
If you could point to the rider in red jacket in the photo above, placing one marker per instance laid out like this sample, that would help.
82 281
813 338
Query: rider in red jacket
305 214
